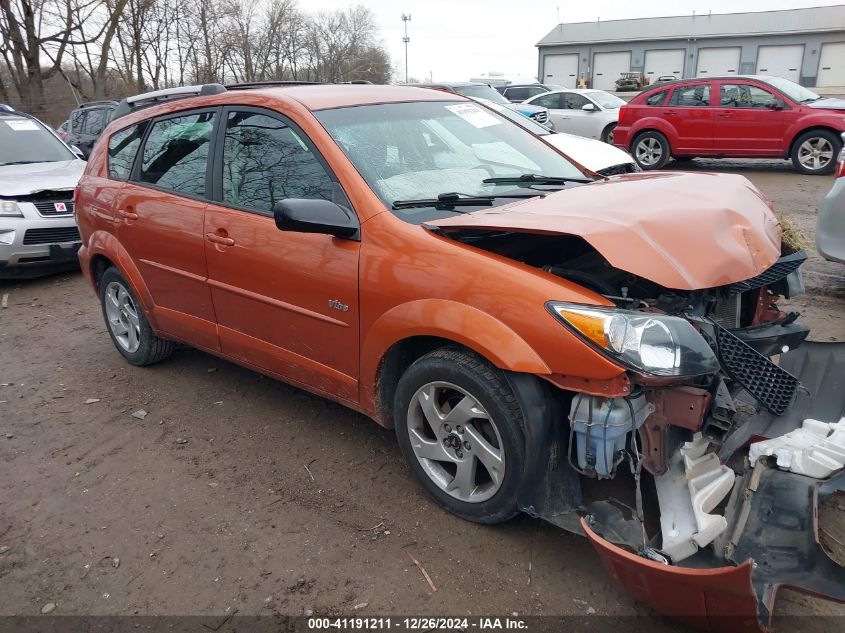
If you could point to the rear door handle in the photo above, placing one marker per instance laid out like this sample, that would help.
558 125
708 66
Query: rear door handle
127 215
219 239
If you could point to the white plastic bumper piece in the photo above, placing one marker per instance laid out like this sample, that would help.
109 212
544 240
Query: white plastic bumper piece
694 484
817 449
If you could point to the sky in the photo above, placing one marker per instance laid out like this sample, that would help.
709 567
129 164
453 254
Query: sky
454 40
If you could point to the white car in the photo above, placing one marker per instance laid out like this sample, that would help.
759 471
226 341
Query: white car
38 173
596 156
589 113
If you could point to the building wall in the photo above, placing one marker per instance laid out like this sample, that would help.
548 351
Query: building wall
748 56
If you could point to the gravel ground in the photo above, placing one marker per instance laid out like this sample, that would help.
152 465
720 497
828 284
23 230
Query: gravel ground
238 493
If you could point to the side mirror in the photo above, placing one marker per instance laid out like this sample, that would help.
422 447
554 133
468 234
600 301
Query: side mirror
78 152
588 107
315 216
776 104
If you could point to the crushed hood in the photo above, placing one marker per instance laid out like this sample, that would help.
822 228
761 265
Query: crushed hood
25 180
681 230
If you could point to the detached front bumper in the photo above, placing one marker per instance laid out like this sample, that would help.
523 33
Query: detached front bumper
784 529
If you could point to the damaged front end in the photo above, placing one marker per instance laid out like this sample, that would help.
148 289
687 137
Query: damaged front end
707 475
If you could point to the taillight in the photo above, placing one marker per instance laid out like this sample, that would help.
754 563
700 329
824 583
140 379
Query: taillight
840 166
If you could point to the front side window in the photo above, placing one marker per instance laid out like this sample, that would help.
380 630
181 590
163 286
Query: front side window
574 101
265 161
175 154
744 96
421 150
691 96
123 146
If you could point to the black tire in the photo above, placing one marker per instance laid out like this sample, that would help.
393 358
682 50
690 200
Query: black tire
824 140
489 388
150 349
651 140
607 133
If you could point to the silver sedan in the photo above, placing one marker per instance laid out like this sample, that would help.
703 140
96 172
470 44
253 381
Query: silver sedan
830 226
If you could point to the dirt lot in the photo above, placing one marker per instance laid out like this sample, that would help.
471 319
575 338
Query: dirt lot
207 502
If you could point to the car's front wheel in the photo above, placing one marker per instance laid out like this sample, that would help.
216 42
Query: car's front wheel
815 152
127 324
651 150
459 426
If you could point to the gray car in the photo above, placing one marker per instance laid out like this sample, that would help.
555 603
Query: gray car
830 226
38 173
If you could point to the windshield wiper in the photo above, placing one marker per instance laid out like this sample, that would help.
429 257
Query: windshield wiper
454 199
809 99
533 179
22 162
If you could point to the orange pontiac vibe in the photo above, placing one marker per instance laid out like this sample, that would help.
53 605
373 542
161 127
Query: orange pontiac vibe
592 351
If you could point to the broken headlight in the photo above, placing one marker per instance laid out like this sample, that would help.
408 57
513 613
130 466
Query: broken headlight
653 344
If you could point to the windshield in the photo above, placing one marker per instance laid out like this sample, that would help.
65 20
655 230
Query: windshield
482 91
606 100
25 141
792 89
420 150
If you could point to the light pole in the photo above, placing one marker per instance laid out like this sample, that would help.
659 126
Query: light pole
406 39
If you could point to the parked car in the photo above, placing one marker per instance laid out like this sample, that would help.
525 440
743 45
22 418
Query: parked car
741 116
484 91
628 82
596 156
590 113
517 93
830 224
62 130
38 173
533 336
87 122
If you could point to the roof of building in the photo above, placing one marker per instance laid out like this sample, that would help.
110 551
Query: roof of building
811 20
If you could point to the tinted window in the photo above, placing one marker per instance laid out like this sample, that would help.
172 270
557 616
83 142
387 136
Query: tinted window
520 94
548 101
77 119
696 95
535 90
95 121
176 153
744 96
572 101
122 149
656 99
265 161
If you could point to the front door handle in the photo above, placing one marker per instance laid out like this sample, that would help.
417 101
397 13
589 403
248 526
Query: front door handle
219 239
127 215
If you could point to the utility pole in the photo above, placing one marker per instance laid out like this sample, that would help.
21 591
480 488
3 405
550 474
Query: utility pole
406 39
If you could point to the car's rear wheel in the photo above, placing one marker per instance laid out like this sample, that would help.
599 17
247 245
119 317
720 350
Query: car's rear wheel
815 152
651 150
127 325
607 134
459 427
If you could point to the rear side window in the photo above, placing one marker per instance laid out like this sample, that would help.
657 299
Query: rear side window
175 154
265 161
656 99
123 146
691 96
95 121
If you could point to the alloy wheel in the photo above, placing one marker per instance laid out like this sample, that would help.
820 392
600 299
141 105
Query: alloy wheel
456 442
122 316
815 153
649 151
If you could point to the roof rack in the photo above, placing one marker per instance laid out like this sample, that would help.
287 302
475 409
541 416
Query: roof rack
147 99
248 85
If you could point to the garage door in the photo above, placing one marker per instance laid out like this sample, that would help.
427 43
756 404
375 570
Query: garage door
561 70
607 67
832 65
781 61
716 62
669 62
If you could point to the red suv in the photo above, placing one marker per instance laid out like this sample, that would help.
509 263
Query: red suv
740 117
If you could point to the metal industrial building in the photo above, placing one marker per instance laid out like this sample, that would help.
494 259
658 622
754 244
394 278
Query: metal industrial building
804 45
